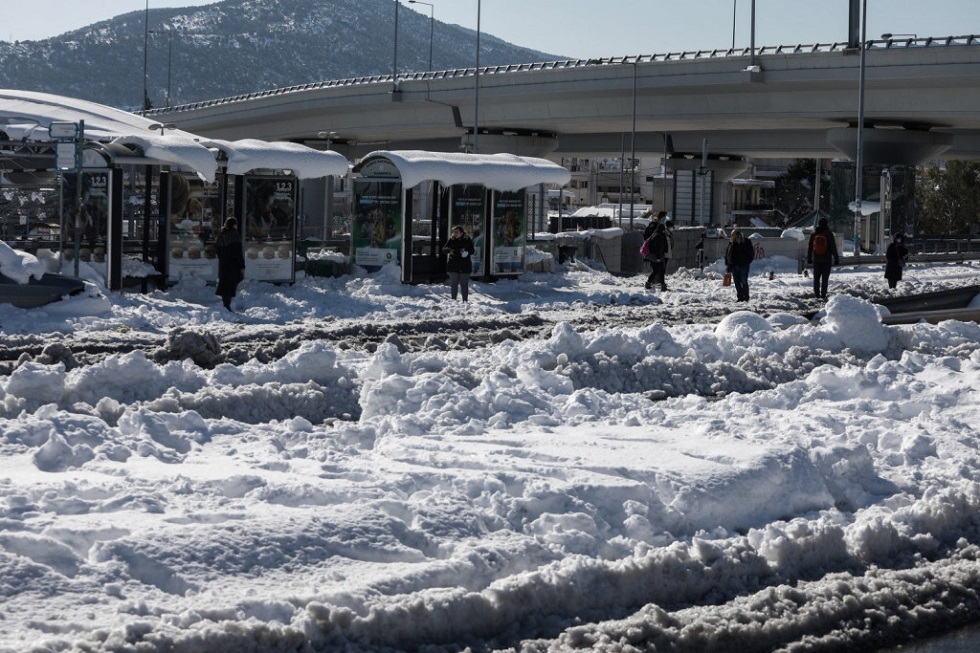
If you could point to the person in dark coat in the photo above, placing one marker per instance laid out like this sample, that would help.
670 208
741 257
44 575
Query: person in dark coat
459 263
821 253
231 261
738 259
659 252
895 257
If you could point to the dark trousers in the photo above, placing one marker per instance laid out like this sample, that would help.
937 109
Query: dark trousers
821 277
740 277
658 274
459 282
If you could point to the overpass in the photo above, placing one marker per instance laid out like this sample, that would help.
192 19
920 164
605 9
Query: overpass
921 100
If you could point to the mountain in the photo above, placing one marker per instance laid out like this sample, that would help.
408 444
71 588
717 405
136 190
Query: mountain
240 46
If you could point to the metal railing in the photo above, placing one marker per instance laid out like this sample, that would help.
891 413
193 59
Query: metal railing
945 41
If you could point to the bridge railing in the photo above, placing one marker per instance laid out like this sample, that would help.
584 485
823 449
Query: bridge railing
945 41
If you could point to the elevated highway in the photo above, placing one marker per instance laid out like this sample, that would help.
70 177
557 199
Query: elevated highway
922 99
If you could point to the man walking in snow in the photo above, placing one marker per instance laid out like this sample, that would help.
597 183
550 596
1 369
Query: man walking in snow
822 253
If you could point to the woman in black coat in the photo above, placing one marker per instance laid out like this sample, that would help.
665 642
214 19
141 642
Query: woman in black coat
738 258
895 256
231 261
459 264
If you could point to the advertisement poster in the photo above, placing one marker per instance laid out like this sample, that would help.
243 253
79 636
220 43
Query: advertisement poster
467 211
507 225
376 230
270 228
195 220
87 226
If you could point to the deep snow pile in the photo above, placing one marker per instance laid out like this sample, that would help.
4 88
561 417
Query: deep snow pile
762 482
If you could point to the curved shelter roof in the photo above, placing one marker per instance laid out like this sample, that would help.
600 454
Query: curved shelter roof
27 116
495 171
251 154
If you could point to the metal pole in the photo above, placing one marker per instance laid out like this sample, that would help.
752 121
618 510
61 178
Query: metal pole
633 150
79 163
752 55
432 24
734 17
622 171
476 96
146 45
394 56
170 52
859 162
432 30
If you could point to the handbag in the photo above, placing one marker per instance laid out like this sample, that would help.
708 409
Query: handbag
727 279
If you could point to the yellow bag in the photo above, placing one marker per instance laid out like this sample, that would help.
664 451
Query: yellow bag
727 281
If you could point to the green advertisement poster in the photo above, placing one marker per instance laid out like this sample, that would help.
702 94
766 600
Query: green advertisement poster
376 230
507 226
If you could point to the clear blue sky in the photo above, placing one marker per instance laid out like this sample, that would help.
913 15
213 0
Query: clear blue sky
595 28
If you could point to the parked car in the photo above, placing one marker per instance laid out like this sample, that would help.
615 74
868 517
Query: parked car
49 288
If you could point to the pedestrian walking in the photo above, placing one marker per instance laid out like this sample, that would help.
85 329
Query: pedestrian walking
896 255
231 261
658 249
738 259
822 254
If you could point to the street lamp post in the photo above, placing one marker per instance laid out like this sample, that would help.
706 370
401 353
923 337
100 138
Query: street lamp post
734 17
432 24
633 150
476 84
170 53
146 44
859 159
394 56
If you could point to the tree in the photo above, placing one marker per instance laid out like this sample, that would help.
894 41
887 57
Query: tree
950 197
794 190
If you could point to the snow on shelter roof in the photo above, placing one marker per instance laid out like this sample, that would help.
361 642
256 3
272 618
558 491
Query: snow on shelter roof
495 171
28 115
251 154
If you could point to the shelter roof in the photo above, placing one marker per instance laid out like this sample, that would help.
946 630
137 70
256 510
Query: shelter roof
494 171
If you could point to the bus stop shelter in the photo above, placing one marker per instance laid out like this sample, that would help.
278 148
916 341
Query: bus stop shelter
405 203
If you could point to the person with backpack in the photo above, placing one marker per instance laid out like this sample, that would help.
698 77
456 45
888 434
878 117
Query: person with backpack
655 249
738 259
821 254
895 257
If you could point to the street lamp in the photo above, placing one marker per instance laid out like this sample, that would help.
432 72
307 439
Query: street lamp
859 159
394 57
432 24
476 84
888 36
146 43
170 50
170 53
633 147
734 16
163 127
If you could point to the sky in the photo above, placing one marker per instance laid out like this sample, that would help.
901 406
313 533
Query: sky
565 461
587 28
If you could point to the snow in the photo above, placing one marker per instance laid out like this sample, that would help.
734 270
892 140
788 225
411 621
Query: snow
503 172
19 266
565 461
27 115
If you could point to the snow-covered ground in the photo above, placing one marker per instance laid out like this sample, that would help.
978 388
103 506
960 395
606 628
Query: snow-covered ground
567 461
